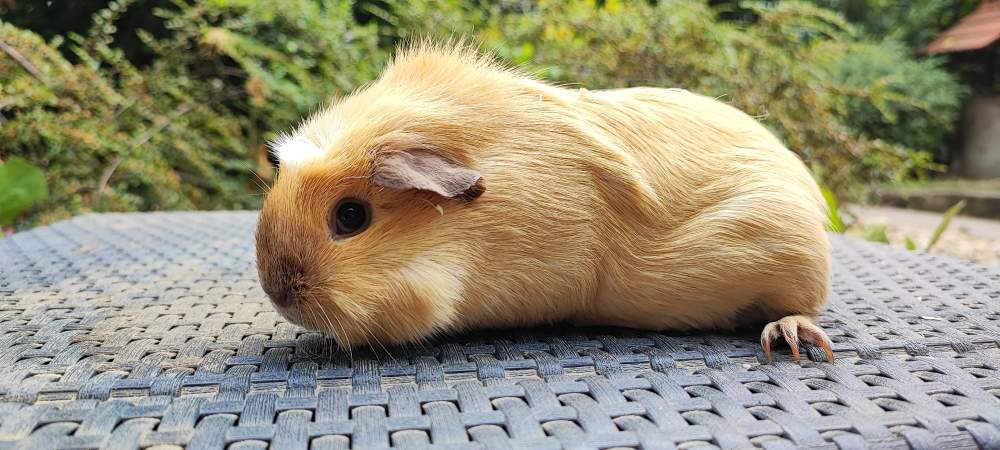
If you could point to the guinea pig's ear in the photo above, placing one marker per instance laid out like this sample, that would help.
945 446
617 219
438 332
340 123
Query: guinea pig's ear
426 171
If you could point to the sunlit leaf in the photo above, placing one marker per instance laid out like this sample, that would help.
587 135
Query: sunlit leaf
21 185
945 221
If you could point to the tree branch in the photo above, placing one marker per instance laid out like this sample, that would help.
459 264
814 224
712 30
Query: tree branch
160 125
106 175
27 65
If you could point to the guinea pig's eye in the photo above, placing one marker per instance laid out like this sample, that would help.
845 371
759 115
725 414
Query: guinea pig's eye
350 217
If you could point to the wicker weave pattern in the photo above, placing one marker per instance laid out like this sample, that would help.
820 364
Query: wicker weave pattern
137 330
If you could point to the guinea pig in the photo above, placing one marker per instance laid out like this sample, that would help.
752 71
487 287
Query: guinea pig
456 193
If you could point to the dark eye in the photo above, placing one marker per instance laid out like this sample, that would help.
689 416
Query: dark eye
350 217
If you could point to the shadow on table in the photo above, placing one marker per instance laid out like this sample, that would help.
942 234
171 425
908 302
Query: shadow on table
570 346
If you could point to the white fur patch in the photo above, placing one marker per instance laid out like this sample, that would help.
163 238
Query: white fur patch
434 280
295 150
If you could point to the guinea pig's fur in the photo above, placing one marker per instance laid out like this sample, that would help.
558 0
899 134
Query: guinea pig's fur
500 200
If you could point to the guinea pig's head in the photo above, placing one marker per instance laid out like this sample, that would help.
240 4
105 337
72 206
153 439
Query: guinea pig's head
361 235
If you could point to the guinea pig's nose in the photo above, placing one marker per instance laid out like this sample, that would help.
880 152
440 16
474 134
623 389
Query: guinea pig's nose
284 288
281 297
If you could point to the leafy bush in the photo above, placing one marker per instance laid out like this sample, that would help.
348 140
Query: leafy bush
273 62
188 129
795 66
21 184
914 24
884 93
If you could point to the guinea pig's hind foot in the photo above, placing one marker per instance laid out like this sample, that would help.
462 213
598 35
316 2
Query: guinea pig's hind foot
795 329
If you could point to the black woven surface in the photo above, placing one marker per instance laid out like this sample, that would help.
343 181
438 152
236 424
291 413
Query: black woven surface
129 331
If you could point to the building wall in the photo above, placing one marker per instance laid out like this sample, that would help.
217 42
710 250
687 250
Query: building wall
980 156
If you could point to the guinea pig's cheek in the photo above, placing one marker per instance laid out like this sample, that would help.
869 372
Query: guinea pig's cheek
427 298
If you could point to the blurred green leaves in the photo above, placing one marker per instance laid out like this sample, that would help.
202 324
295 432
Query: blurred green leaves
878 232
188 129
945 221
835 222
857 110
21 185
882 92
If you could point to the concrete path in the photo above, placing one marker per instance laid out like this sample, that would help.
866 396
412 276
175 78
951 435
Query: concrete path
967 237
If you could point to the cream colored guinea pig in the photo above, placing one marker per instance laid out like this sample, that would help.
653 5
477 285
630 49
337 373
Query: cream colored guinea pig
455 194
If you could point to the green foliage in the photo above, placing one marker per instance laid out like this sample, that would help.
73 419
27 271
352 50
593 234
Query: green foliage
188 131
836 221
273 62
945 221
877 232
186 128
21 185
885 93
793 66
914 24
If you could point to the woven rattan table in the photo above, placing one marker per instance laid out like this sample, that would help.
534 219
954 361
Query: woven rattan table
150 330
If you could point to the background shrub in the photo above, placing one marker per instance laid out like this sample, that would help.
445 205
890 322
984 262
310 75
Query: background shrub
168 104
188 130
860 112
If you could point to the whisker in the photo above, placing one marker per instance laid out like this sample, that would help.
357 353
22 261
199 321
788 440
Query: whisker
321 314
309 311
344 336
261 184
377 341
347 339
328 326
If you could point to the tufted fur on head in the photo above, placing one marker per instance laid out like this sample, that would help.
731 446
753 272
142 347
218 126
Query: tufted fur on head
499 200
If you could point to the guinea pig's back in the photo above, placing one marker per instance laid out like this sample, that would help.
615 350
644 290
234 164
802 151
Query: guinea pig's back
686 142
741 218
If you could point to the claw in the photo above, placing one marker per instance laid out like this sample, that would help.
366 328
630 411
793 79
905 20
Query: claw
816 336
793 329
766 337
791 335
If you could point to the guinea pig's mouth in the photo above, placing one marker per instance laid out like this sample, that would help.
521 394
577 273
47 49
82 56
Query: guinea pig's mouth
299 312
354 320
312 316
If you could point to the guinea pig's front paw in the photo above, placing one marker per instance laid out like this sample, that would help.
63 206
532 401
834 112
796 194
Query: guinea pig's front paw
794 329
